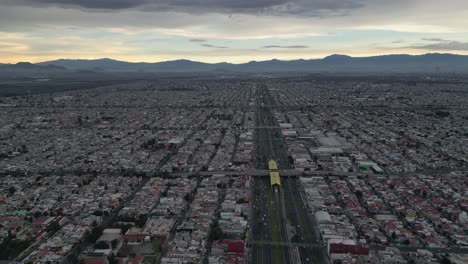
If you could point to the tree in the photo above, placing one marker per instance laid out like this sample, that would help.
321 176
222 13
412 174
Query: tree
53 227
114 243
98 213
101 245
23 149
424 194
123 228
11 247
141 220
80 121
358 194
231 182
216 233
446 260
11 190
296 239
112 260
188 197
240 201
94 234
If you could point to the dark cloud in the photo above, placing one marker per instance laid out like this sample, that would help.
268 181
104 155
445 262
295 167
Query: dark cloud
445 45
198 40
213 46
435 40
155 4
92 4
312 7
285 47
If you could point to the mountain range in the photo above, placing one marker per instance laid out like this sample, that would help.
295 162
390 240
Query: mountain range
427 63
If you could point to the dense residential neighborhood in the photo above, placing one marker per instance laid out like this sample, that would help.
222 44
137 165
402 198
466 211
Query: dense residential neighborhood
177 171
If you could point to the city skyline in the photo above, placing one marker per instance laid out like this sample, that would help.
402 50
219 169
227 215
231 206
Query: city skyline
224 31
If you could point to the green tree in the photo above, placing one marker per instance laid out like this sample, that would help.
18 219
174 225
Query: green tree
112 260
424 194
101 245
240 201
94 234
188 197
114 243
11 190
358 194
216 233
141 220
296 239
11 248
53 227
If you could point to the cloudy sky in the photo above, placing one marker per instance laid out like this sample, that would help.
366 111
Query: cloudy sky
228 30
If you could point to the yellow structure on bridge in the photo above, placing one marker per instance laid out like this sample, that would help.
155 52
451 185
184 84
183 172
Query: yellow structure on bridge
274 174
275 178
272 165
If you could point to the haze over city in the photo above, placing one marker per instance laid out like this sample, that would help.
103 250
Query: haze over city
228 31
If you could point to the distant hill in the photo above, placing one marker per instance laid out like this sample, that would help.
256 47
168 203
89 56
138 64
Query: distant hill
27 66
110 65
432 63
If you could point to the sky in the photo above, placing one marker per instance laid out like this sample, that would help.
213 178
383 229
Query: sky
233 31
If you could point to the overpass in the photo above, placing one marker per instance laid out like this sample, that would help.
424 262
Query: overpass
266 173
295 173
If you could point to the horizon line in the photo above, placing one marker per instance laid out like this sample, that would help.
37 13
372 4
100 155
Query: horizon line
238 63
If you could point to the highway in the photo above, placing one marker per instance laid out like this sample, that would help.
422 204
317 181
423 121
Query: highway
260 223
285 209
302 222
268 223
